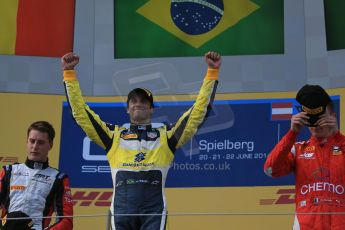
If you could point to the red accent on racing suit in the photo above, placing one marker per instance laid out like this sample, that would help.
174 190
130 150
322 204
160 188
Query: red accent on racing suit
319 168
37 190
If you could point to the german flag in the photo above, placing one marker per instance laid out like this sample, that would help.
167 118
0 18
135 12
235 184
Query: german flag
36 27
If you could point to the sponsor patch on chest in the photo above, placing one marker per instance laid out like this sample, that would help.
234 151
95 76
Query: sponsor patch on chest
18 187
129 136
307 156
308 153
336 151
152 135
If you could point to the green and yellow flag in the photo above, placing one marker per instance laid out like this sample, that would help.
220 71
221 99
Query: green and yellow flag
36 27
177 28
335 26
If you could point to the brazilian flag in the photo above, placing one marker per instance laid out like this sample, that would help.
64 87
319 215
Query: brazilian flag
335 26
182 28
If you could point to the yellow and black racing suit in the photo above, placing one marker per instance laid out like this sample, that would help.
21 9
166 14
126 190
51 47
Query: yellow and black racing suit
139 156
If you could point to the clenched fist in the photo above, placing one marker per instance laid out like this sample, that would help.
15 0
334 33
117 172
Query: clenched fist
69 61
213 59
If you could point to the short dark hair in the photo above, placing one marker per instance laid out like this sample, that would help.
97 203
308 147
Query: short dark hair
44 127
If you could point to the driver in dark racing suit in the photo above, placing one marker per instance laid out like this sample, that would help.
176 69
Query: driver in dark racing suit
140 155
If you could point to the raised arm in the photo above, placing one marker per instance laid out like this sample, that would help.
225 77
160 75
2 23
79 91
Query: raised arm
69 61
189 122
213 60
97 130
280 161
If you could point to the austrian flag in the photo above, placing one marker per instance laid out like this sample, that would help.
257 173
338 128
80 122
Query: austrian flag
281 110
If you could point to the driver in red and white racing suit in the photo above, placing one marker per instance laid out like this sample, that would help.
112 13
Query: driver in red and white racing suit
35 189
319 168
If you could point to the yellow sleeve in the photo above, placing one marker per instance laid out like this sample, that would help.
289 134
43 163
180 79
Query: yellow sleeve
97 130
189 122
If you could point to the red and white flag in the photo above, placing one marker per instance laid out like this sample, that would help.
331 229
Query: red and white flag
281 110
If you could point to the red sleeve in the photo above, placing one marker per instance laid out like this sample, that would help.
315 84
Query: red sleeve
2 176
4 185
280 161
64 206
